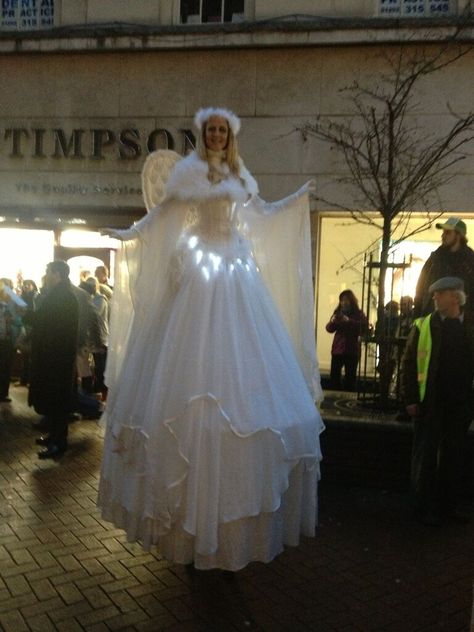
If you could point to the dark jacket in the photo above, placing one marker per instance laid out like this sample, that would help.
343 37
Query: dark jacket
53 351
409 380
89 326
347 332
442 262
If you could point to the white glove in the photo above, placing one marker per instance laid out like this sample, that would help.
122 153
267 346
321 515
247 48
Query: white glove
122 235
308 187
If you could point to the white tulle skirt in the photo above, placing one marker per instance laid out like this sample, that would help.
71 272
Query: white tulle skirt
212 441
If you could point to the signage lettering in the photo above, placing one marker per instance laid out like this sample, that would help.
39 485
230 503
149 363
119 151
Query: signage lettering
27 14
417 8
130 147
47 188
97 143
63 147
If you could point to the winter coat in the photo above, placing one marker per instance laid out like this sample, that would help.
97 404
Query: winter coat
89 329
53 351
347 332
409 374
442 262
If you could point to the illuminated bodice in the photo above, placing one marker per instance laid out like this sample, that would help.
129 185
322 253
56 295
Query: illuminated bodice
213 220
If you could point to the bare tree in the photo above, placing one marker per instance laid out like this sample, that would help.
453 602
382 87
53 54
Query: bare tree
394 166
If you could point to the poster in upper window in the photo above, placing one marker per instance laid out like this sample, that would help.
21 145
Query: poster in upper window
25 15
417 8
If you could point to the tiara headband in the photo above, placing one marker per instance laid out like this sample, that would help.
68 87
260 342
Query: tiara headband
204 114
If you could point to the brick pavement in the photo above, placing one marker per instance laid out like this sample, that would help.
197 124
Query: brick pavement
62 568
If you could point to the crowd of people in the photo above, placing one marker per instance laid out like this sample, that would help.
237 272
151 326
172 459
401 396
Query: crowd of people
212 433
431 342
58 335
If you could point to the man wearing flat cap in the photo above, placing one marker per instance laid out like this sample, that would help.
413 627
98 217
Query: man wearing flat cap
453 258
437 376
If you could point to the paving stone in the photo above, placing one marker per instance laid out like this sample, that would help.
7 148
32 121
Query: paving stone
120 584
123 601
143 574
116 569
161 622
179 609
128 619
40 607
97 627
17 585
69 562
65 578
151 605
79 609
15 569
68 625
63 568
99 615
41 623
13 622
70 593
95 580
43 589
41 573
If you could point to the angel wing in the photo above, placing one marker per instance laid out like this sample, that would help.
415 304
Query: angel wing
155 174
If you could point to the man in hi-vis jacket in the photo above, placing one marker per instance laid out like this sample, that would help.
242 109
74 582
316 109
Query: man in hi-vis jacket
437 375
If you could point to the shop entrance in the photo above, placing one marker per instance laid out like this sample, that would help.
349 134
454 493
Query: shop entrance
84 250
83 259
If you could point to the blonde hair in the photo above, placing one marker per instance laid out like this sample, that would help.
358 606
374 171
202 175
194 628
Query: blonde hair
232 150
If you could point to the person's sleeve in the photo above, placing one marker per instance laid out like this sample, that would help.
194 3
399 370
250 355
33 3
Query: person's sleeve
331 327
421 289
409 372
271 208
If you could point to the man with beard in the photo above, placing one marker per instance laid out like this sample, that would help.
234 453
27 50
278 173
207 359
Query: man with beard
53 357
453 258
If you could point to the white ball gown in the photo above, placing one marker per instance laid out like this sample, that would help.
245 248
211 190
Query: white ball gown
212 435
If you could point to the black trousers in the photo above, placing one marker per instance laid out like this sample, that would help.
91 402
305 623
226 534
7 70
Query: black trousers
6 362
58 428
100 359
349 363
438 453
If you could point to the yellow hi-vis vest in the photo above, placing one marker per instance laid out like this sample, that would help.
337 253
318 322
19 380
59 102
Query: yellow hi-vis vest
423 355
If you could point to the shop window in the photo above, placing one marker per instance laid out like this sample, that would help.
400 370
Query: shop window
25 253
206 11
27 15
343 246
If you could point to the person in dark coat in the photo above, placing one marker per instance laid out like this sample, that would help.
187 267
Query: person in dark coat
53 357
347 323
453 258
7 315
437 375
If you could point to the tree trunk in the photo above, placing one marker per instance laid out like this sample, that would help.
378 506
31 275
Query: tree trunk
385 364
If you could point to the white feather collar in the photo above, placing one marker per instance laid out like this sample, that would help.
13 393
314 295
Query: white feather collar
188 181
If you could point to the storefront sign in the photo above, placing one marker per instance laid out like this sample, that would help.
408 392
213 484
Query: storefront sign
417 8
96 143
57 189
25 15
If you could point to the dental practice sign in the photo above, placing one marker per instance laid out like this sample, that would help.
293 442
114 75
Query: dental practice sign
27 14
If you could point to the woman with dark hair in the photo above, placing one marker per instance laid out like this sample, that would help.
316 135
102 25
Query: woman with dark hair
347 323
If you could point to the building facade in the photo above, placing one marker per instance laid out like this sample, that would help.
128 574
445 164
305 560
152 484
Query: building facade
90 87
